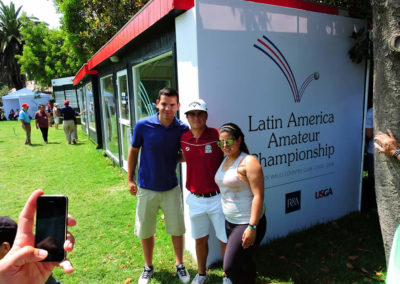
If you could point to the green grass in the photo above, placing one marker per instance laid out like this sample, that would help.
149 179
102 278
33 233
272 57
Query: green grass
345 251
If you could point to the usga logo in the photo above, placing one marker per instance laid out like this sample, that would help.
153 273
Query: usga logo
323 193
293 201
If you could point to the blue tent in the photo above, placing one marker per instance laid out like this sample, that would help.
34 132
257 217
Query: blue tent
24 96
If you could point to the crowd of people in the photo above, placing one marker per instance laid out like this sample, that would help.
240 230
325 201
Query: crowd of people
225 184
46 116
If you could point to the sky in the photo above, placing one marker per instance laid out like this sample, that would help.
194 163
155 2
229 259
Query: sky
44 10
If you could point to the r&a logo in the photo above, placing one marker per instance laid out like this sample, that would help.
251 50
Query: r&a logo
293 201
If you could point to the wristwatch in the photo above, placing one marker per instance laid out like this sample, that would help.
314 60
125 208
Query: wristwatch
396 153
252 227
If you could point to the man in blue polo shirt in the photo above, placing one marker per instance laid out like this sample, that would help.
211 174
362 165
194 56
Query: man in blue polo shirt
158 138
26 123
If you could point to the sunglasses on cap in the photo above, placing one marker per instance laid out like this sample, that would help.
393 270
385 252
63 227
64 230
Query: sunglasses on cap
227 142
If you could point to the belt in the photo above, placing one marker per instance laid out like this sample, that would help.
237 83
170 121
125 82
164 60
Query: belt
206 195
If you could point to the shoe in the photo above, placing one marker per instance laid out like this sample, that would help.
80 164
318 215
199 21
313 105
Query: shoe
46 142
146 275
182 273
74 141
226 280
200 279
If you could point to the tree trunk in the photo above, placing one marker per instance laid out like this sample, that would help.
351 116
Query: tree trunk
386 90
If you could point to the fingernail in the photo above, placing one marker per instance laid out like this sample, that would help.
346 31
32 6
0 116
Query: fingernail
42 253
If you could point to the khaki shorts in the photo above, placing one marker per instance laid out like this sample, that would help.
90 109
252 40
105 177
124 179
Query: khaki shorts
148 203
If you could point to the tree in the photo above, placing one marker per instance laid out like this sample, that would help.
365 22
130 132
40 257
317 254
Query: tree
89 24
10 44
45 54
386 38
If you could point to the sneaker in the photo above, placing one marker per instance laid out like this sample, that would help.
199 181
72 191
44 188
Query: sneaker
182 273
200 279
226 280
146 275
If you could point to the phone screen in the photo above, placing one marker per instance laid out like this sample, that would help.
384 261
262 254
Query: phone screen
51 226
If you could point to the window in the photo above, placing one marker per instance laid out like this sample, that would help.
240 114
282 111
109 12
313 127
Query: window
109 116
151 77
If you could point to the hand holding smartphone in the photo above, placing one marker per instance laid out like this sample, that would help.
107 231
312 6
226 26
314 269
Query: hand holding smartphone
51 226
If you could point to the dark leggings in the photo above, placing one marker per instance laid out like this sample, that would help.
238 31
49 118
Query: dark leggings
238 262
45 131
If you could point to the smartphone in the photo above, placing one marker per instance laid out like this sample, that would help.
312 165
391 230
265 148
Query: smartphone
51 226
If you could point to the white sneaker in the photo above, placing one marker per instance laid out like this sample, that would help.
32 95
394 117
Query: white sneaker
200 279
146 275
226 280
182 273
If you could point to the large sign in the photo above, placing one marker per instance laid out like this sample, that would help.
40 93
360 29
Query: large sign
285 77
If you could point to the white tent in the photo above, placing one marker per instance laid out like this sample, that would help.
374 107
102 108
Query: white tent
24 96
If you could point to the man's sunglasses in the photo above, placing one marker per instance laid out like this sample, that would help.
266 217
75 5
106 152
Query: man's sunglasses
227 142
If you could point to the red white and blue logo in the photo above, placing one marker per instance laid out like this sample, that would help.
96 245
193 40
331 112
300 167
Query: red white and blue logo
267 47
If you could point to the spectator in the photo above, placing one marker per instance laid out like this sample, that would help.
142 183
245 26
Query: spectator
69 115
11 115
25 123
56 115
42 122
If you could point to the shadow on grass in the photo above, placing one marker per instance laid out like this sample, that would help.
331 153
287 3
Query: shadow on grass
347 250
37 145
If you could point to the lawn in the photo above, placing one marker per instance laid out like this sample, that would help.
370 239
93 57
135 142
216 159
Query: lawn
348 250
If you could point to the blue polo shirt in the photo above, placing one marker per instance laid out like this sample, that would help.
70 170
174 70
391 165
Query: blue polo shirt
24 116
159 152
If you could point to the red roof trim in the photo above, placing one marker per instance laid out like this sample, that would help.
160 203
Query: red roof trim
300 4
82 73
148 16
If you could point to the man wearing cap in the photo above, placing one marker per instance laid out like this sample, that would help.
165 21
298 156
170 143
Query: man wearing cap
203 158
26 123
157 138
69 115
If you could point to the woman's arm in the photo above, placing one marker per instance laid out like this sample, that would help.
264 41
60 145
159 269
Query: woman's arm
254 174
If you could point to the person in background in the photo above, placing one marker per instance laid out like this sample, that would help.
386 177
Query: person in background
42 122
21 264
157 138
241 181
8 230
203 158
56 115
11 115
49 110
387 144
25 123
69 115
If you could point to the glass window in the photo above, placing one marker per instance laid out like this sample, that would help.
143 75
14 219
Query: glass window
59 96
151 77
90 106
123 95
71 96
82 107
109 115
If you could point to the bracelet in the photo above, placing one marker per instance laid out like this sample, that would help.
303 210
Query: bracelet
252 227
396 153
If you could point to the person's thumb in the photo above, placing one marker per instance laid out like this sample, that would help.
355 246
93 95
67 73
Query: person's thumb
28 254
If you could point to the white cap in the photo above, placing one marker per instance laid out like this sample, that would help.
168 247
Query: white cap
198 104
